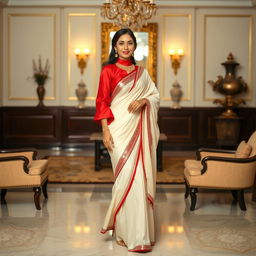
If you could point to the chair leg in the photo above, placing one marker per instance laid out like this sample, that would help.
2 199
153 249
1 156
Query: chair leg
4 209
240 197
193 197
186 189
37 194
3 194
234 194
44 188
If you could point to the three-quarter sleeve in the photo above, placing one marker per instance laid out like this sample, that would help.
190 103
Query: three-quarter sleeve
104 97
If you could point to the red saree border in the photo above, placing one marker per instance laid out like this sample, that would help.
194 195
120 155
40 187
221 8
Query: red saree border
128 150
141 248
151 200
130 182
133 176
104 231
137 76
148 109
142 157
125 80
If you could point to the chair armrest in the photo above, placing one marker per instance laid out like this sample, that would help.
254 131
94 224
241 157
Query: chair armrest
15 158
225 159
215 152
28 153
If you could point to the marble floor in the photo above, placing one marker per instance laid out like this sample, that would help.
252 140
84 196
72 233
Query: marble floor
70 221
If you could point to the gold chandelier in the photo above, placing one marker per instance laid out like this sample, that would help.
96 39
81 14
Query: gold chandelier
131 14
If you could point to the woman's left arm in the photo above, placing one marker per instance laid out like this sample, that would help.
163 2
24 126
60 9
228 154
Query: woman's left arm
151 96
137 105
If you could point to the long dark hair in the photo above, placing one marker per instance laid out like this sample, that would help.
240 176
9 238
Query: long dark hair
112 59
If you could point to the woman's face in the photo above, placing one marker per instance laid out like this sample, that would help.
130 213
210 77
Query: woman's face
125 47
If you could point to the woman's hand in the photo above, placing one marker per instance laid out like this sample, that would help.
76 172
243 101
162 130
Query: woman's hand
107 137
108 140
136 105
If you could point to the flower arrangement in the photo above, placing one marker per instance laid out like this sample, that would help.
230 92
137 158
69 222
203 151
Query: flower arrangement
40 74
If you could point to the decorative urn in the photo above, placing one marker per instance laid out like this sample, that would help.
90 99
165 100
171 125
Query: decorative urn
228 123
230 86
176 94
81 93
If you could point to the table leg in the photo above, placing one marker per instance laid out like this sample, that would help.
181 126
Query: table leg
159 156
97 163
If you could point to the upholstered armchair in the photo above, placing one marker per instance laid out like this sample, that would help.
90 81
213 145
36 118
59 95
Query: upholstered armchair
222 169
19 169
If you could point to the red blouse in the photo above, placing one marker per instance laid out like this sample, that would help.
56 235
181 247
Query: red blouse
109 78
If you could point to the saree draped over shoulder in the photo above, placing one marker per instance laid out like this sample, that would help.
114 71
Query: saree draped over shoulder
135 136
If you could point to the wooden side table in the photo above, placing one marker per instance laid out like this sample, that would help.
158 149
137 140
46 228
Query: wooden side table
101 154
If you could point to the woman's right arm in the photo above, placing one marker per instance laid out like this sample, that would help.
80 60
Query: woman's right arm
104 114
103 99
107 137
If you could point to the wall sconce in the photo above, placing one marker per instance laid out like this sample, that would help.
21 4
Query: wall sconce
176 55
82 58
176 92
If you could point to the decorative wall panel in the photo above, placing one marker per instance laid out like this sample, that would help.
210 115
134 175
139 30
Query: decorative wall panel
177 33
219 33
68 126
29 35
81 34
78 125
31 126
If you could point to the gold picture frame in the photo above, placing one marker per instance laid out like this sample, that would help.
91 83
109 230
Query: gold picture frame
150 28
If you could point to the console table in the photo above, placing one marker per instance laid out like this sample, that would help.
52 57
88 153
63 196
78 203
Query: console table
101 154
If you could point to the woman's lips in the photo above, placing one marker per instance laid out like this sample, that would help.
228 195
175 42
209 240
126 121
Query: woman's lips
126 52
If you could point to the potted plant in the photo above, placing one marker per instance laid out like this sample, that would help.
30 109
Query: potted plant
40 75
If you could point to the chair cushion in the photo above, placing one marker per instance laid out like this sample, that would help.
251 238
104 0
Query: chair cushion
252 139
243 150
252 142
193 167
253 152
37 167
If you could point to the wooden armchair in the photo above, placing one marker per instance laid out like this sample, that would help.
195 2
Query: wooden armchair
22 169
222 169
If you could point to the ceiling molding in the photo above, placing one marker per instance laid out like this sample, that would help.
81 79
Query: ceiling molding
217 3
182 3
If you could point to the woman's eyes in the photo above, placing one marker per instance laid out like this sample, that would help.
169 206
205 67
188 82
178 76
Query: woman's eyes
122 43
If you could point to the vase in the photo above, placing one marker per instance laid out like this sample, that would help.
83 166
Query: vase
81 93
176 94
40 92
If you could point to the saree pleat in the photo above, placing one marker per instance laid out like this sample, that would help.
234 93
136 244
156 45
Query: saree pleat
133 159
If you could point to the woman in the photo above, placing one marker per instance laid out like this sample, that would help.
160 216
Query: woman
126 106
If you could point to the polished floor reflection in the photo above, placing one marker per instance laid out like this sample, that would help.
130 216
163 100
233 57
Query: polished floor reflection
70 221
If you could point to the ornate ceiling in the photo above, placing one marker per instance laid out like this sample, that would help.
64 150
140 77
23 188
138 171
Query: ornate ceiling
187 3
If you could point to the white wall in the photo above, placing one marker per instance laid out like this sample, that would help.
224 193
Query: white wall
206 34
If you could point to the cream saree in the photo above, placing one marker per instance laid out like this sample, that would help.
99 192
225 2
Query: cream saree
135 136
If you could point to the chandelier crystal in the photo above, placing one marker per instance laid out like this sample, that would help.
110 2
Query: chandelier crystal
131 14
